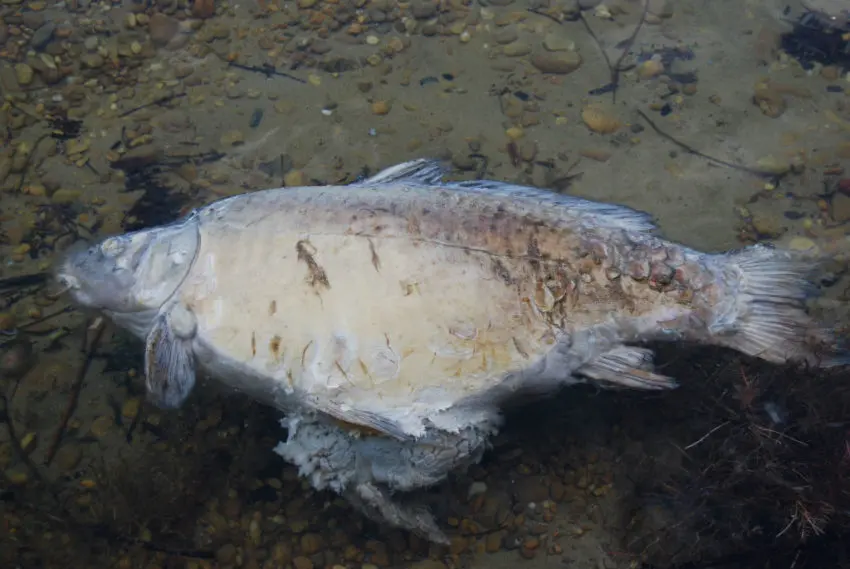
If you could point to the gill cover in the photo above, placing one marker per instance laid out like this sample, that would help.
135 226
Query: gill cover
131 272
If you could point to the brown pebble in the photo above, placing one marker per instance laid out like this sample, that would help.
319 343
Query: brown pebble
830 72
493 542
203 8
68 457
7 321
294 178
311 543
650 69
226 554
381 108
559 63
162 28
768 43
16 359
302 562
596 154
458 545
600 120
770 102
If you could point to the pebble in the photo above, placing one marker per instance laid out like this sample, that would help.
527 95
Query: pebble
650 69
311 543
93 60
100 427
65 196
476 488
506 35
226 554
17 477
660 8
16 359
23 74
130 408
840 208
557 62
516 49
68 457
7 321
294 178
558 42
381 108
767 226
203 9
232 138
43 35
423 9
770 102
162 28
600 120
773 165
284 107
801 244
302 562
514 133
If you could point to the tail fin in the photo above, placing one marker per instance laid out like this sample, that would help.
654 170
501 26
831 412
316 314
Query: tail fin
767 315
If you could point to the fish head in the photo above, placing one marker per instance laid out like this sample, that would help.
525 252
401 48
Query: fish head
134 272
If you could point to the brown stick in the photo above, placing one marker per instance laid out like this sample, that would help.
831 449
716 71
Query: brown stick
74 396
6 417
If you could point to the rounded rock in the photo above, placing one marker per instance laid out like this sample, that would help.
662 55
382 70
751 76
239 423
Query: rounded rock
24 74
560 63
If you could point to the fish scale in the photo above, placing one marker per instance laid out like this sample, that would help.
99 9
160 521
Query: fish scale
393 319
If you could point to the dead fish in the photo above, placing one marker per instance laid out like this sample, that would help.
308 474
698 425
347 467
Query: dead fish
392 319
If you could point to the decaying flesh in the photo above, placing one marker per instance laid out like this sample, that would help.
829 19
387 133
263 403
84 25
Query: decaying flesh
393 318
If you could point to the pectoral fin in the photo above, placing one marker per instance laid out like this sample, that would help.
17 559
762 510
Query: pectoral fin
627 366
169 365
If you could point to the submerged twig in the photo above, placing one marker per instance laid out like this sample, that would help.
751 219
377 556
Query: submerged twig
46 317
691 150
28 160
267 70
154 103
627 46
22 281
74 396
6 417
614 69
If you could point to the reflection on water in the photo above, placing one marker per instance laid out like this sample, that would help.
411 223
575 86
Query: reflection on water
729 121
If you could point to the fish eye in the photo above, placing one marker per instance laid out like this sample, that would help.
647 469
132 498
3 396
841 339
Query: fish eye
68 282
111 247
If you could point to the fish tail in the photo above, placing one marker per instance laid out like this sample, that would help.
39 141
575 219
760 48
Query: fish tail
765 313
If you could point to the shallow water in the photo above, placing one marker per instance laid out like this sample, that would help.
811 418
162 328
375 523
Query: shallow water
119 115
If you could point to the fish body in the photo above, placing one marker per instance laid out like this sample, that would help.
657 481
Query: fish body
393 318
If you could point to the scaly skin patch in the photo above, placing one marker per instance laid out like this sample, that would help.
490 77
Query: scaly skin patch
383 338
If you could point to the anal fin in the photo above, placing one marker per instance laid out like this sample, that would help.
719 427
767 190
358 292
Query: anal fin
169 366
373 423
627 366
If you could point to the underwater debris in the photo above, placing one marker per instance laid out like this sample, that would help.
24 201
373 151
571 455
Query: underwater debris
814 40
764 466
98 328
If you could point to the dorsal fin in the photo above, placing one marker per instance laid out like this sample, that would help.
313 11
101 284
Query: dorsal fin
429 172
423 171
594 213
